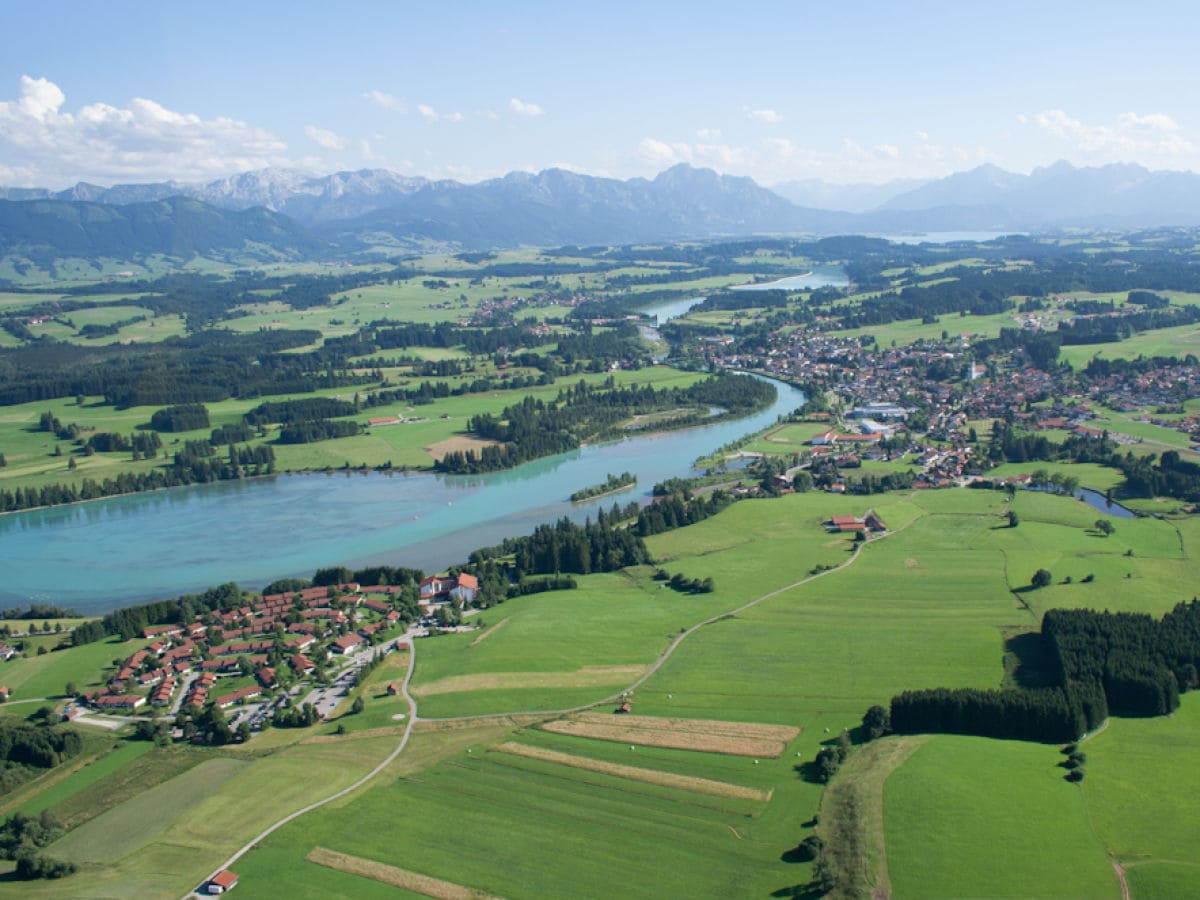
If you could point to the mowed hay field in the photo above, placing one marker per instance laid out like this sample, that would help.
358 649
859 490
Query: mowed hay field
515 825
972 817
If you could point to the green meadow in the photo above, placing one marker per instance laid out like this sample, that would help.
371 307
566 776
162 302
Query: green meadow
929 605
972 817
31 460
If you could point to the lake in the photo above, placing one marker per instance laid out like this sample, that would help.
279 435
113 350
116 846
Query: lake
108 553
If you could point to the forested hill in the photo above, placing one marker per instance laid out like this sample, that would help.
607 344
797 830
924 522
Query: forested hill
42 231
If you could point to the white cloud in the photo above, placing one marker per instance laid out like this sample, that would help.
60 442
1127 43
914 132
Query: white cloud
521 108
327 139
709 134
1150 138
44 145
766 116
427 112
454 117
387 101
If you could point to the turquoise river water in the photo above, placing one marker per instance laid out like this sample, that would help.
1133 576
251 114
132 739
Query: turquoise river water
100 555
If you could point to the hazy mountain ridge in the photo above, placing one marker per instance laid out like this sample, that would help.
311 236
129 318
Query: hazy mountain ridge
293 214
44 230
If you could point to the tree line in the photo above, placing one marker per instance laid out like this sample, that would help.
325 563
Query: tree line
1125 664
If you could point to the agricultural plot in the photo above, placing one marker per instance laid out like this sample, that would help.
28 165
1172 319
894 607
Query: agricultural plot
705 735
972 817
1142 786
556 650
542 827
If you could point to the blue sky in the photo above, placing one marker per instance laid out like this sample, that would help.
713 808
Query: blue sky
117 91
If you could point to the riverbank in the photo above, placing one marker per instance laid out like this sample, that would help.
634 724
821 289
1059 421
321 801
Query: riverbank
140 547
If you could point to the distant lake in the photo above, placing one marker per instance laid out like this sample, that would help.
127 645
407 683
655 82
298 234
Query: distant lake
820 276
944 237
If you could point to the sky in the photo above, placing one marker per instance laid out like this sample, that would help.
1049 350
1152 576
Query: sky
119 92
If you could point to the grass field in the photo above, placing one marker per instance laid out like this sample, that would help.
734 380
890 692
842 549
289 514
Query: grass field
1177 341
31 460
127 827
972 817
930 605
47 675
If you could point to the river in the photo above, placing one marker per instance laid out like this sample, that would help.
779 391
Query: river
100 555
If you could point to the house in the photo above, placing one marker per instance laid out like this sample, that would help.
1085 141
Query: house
7 652
433 585
347 643
302 664
5 693
223 881
266 675
465 588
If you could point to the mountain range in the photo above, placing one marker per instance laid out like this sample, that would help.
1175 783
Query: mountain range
286 213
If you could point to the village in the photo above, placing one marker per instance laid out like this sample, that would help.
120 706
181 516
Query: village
272 658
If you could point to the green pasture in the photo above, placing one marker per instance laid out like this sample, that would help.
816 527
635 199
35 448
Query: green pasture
1178 341
1143 787
124 828
94 771
31 461
909 331
973 817
47 675
559 830
620 619
1090 475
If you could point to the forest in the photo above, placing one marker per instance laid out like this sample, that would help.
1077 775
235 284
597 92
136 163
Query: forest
1122 664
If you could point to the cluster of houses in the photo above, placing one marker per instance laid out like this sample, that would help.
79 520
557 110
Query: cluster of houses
241 641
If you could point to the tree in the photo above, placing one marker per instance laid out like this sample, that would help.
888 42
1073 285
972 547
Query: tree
357 706
877 722
1105 527
243 731
1013 519
72 689
1041 578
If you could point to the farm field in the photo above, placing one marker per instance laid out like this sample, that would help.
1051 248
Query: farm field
1179 340
932 604
806 658
31 461
971 817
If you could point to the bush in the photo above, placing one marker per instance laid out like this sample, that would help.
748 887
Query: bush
809 849
31 867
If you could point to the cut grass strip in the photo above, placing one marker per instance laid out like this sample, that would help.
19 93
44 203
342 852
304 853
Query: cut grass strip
490 631
732 738
753 730
634 773
394 876
586 677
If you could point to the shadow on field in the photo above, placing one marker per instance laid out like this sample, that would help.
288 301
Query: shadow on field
1029 663
808 891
